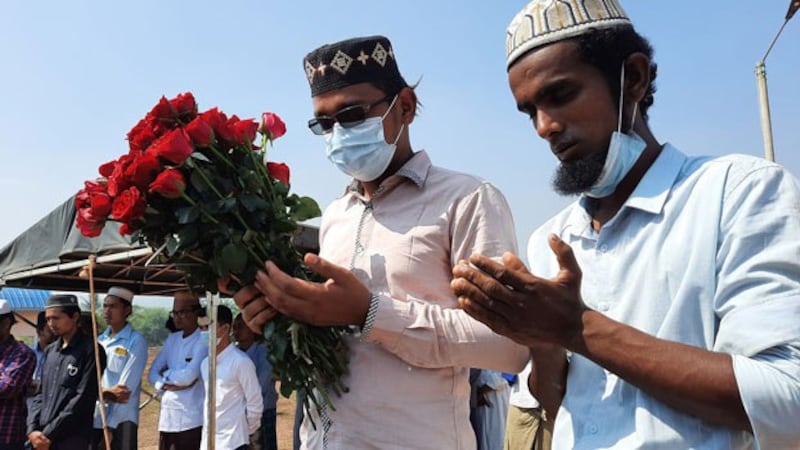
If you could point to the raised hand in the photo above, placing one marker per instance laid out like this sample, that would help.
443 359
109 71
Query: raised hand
515 303
339 301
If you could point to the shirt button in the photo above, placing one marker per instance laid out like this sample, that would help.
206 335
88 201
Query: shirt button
593 429
604 248
603 306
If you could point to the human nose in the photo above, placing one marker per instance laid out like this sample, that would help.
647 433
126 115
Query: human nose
546 124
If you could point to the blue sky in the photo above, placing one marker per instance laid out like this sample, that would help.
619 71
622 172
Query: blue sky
77 75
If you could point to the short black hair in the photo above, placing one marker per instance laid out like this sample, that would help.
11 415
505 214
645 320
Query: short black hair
41 321
224 315
9 316
607 48
69 310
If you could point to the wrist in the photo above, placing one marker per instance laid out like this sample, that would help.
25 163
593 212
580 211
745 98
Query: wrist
575 339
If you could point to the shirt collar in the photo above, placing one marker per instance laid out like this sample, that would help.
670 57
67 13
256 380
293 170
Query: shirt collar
649 196
415 169
654 188
76 339
124 333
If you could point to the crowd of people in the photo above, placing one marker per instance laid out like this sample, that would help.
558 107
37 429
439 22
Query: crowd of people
49 393
660 310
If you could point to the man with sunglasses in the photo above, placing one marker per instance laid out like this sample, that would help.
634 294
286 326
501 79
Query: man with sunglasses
387 249
175 375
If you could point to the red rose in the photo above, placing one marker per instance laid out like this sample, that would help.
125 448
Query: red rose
142 170
225 130
272 126
279 171
88 226
93 201
214 118
244 131
141 135
107 169
129 228
169 183
184 104
162 110
128 206
201 133
118 182
174 146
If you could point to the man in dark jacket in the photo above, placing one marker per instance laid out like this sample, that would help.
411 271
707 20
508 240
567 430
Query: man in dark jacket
62 413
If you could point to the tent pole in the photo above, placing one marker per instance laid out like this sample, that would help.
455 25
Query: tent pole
97 348
211 396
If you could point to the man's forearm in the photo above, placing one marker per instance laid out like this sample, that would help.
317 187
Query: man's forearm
690 379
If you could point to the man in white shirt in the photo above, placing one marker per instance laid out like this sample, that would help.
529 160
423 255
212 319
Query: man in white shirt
126 356
258 352
238 393
175 374
662 307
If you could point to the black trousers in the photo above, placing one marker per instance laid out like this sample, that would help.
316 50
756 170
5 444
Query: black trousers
71 443
124 437
182 440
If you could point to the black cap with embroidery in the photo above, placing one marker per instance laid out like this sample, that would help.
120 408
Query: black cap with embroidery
352 61
62 300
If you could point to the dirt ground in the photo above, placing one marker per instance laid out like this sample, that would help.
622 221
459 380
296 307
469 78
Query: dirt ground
148 418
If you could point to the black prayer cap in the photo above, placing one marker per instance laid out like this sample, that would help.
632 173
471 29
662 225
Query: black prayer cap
352 61
62 301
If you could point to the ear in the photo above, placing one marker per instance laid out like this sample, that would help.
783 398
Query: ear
407 105
637 77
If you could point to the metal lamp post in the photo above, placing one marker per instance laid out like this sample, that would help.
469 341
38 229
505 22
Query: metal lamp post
763 96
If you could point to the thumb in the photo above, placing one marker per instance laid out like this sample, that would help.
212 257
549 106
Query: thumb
324 267
570 270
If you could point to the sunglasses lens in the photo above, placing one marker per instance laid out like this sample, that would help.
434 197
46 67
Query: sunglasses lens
350 117
320 125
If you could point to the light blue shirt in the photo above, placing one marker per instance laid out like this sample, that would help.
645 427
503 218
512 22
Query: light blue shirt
258 353
706 251
126 356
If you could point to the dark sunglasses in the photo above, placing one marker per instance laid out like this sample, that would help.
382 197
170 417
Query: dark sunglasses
346 117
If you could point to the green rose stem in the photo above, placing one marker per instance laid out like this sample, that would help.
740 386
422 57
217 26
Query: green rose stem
200 208
221 156
236 214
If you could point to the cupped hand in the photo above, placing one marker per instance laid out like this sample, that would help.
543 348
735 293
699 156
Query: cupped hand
338 301
517 304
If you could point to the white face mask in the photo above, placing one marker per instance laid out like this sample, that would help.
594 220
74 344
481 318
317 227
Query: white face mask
623 152
205 337
361 151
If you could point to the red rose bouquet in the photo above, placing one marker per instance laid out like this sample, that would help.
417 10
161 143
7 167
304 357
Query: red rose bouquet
195 188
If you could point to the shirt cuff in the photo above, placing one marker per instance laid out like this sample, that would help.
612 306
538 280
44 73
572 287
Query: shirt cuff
770 392
391 319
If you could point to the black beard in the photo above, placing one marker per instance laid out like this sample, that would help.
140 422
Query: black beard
576 177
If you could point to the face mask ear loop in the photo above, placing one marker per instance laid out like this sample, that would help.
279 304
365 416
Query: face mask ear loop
391 105
399 133
633 116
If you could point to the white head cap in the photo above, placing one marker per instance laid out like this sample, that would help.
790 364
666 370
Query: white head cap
121 292
543 22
